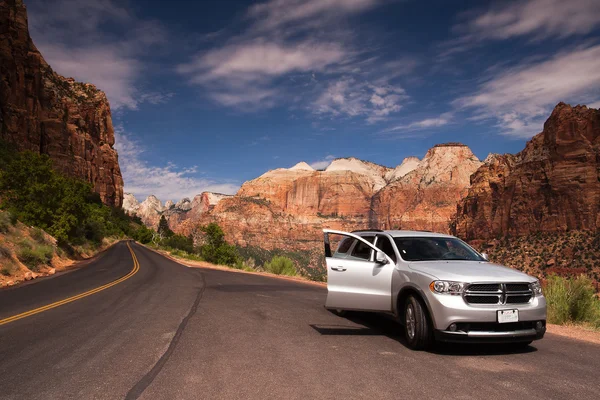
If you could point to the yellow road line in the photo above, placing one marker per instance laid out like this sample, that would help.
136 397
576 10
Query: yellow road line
136 268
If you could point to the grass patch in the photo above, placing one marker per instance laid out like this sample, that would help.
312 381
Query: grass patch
34 255
281 265
572 300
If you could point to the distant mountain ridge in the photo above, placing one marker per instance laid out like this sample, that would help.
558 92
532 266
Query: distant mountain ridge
552 185
288 207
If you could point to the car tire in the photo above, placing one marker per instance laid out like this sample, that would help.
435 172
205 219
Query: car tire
417 328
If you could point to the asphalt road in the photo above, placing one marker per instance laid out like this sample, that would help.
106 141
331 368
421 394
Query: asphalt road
172 332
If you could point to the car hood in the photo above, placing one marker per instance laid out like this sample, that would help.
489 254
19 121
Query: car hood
470 271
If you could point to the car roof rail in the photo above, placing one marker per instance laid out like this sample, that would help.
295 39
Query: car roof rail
367 230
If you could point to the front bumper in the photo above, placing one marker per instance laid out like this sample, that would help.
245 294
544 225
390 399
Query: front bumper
494 333
478 323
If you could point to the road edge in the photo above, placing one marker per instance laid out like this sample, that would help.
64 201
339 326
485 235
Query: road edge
207 265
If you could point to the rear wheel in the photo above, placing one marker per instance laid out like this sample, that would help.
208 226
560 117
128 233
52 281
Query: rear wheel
419 333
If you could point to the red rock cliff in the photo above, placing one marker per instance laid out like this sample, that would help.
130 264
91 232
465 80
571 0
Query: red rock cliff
44 112
553 185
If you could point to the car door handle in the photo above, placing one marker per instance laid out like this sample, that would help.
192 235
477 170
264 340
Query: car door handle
341 269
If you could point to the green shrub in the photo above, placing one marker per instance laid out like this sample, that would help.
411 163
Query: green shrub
38 235
179 242
572 300
4 222
281 265
143 234
223 254
35 255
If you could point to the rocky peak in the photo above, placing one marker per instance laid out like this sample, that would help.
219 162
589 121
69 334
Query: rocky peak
169 204
302 166
408 164
152 203
130 204
184 204
374 171
446 162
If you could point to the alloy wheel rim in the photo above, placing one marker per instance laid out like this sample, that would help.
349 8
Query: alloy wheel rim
410 321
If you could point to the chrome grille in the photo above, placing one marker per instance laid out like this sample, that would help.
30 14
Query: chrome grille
498 293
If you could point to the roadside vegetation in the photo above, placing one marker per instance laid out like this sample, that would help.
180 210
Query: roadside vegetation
66 208
572 301
48 219
213 248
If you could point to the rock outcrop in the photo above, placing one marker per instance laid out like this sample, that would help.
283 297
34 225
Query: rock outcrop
44 112
553 185
184 213
426 197
287 208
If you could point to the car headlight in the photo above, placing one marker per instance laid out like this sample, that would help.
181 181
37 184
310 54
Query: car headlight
447 287
536 288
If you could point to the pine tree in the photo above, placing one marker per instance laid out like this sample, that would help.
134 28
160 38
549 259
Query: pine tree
163 228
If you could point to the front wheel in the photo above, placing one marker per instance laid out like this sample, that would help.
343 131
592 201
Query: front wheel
419 334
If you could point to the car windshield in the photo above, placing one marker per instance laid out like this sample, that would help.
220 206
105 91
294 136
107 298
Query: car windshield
435 249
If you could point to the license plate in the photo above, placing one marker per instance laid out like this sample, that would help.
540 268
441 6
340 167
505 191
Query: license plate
505 316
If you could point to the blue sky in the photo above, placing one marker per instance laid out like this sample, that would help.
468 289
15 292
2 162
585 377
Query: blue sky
208 94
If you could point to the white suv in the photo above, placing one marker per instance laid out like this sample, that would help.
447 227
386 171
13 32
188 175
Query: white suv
436 285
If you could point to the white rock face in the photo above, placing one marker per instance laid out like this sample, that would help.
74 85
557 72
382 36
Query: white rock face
408 164
169 204
130 203
376 172
214 198
184 204
446 163
302 166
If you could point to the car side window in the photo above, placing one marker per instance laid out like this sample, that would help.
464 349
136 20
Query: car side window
361 250
385 244
343 247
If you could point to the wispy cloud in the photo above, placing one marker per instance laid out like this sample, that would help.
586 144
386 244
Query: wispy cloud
540 18
349 97
276 14
520 98
291 52
533 19
165 182
324 163
70 35
427 123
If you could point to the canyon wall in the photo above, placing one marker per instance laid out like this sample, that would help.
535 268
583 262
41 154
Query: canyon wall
44 112
553 185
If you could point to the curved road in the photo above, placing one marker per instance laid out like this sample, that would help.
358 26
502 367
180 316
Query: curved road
172 332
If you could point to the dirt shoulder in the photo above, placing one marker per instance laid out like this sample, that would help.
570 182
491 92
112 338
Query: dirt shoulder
575 332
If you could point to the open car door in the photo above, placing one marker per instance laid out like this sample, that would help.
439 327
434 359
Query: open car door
359 275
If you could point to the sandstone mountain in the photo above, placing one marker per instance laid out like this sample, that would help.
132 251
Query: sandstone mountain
184 212
46 113
287 208
426 197
553 185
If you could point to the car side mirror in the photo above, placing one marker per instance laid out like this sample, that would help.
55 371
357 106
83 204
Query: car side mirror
380 258
485 256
